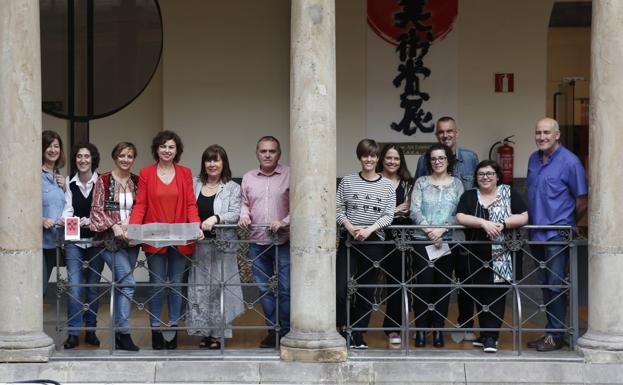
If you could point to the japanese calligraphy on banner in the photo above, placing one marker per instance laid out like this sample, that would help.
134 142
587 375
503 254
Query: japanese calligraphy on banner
411 68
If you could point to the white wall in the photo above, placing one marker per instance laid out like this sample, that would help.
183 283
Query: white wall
224 78
502 36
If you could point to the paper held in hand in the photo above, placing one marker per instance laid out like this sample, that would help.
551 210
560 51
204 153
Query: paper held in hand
435 252
164 234
72 229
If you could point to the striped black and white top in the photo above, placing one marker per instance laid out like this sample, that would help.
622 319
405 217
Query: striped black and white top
364 202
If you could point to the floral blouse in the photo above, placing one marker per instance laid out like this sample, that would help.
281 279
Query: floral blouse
435 205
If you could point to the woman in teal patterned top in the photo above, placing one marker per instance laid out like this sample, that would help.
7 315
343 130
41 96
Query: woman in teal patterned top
433 202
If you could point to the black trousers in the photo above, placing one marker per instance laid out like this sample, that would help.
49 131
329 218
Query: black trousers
464 301
362 257
439 297
495 300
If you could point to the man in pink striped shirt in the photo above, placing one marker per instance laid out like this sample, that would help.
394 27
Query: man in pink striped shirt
265 201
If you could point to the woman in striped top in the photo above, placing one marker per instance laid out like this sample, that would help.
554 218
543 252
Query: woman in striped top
365 204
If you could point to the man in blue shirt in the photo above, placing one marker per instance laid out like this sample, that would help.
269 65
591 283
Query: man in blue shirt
557 195
466 161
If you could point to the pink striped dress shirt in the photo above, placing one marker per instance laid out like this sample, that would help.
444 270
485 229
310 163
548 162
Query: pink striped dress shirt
265 199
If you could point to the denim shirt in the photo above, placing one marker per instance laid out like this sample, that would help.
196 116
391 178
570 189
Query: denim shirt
435 205
464 167
53 205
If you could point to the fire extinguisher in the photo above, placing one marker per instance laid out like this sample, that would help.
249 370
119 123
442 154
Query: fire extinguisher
504 158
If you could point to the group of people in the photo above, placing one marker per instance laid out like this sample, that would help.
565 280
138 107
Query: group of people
165 192
451 187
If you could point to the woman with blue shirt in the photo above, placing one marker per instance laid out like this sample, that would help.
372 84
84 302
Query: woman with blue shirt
433 202
53 194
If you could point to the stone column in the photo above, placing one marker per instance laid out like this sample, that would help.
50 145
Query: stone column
21 318
313 336
604 340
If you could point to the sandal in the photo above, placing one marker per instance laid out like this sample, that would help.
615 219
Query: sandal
210 343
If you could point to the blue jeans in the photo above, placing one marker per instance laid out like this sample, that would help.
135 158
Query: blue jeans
75 257
264 268
121 263
167 267
556 258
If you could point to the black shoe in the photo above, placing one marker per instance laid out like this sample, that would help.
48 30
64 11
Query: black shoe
270 341
490 345
550 343
479 342
420 339
534 343
157 340
170 345
438 339
72 342
91 339
357 341
124 342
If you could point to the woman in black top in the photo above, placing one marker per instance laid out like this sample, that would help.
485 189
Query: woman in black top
489 211
393 166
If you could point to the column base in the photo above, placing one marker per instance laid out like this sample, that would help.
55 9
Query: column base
313 347
31 347
597 347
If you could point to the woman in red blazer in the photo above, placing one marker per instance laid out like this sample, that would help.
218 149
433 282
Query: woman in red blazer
165 195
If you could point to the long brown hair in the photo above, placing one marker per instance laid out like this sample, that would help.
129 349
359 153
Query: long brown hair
214 152
403 171
47 137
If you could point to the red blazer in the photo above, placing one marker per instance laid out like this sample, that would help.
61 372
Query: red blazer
145 210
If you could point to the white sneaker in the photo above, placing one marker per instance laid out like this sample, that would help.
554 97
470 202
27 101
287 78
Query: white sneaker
469 336
394 338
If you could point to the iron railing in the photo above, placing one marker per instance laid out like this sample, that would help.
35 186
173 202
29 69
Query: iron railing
238 286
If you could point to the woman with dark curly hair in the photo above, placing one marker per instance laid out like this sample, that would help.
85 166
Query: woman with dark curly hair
165 195
78 198
433 202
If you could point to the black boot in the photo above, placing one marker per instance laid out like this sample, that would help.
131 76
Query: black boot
420 339
438 339
173 343
91 339
124 342
157 340
72 342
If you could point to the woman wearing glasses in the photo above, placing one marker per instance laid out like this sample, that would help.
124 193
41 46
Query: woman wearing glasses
433 203
489 211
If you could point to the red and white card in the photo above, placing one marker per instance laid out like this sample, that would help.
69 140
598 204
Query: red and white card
72 229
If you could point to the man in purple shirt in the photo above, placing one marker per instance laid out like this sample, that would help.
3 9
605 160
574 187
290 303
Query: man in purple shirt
557 195
265 200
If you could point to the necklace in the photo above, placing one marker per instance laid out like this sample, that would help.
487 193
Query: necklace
168 171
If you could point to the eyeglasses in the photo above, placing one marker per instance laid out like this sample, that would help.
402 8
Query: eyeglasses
488 174
439 159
